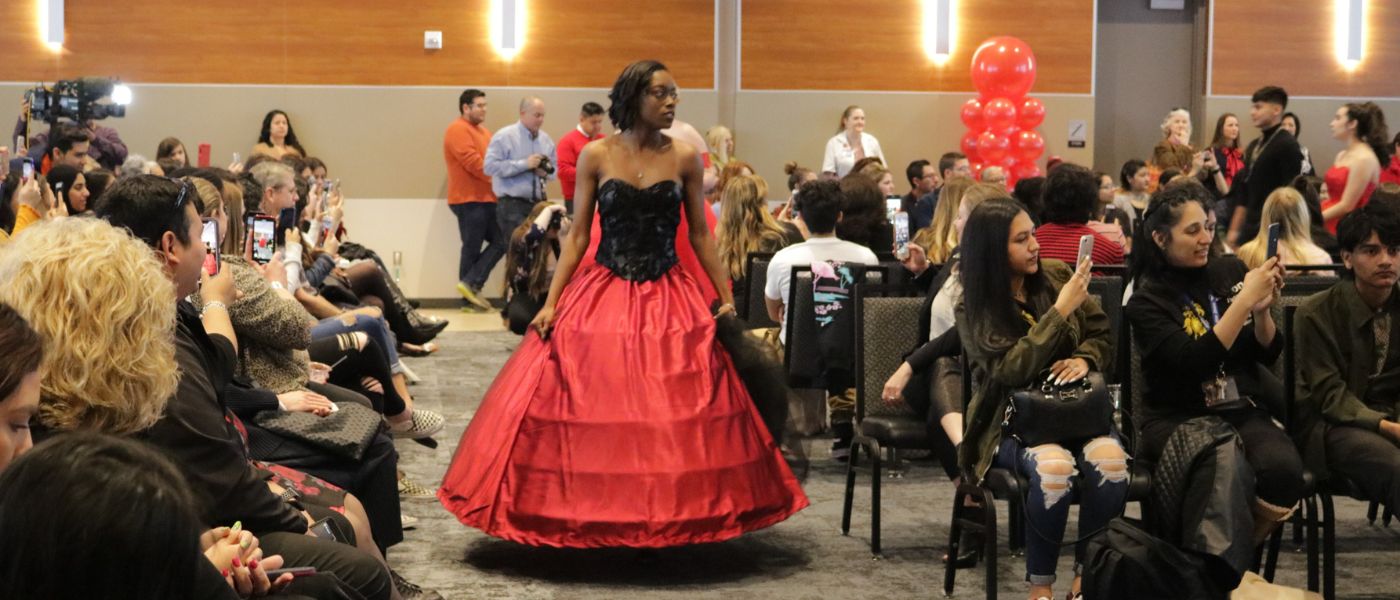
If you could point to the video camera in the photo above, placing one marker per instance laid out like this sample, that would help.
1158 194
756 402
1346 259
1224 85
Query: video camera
78 100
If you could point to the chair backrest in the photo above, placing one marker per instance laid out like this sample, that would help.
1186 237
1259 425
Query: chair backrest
895 274
887 325
1307 285
1108 291
753 309
802 356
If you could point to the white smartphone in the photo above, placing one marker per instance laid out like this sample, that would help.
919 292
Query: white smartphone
1086 249
892 206
236 158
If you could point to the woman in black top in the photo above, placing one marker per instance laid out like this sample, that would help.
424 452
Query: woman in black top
1203 327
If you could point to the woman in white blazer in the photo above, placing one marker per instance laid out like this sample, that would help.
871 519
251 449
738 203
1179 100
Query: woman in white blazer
850 144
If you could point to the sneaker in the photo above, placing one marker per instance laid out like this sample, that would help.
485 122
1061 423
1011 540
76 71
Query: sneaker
409 591
841 446
412 490
407 522
423 424
408 374
472 296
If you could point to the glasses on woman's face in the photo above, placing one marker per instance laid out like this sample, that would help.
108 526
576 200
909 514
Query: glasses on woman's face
661 92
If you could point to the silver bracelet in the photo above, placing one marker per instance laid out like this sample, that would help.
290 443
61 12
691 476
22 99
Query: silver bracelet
215 304
277 285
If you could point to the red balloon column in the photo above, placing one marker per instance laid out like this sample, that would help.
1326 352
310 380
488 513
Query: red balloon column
1001 121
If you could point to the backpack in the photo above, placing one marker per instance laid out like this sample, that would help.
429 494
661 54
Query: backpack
1123 561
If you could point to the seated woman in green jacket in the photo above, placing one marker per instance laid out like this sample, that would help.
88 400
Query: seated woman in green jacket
1020 319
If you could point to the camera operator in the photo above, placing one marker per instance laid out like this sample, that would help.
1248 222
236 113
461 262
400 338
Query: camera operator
103 144
520 159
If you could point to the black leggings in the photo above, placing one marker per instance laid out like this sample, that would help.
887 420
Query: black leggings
353 362
1278 469
934 393
368 281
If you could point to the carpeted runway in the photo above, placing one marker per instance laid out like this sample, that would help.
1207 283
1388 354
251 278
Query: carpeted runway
803 558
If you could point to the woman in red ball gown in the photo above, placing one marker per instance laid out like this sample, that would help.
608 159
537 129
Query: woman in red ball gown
620 420
1357 169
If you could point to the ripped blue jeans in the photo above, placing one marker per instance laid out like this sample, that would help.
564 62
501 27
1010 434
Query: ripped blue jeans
1095 472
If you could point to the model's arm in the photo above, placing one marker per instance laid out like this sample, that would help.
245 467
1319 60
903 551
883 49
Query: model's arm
692 180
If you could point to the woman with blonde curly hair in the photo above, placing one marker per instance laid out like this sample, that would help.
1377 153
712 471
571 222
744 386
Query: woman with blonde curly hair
745 226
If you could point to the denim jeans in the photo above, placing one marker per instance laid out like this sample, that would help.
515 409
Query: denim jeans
1102 489
374 328
476 223
510 213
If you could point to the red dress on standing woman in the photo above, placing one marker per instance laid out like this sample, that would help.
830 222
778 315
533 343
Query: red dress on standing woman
1336 181
629 425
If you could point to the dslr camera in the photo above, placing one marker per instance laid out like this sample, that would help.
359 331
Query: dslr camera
546 165
78 100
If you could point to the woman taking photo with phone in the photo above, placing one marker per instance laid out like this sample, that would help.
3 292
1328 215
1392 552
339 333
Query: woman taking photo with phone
1285 206
1024 322
1204 329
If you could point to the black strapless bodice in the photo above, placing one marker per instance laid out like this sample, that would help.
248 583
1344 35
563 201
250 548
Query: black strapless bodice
639 228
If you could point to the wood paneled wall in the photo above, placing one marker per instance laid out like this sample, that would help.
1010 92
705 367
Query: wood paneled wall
1290 43
841 45
569 43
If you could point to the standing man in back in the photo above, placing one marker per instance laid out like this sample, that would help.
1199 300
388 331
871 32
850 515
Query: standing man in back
1271 162
589 128
471 199
520 160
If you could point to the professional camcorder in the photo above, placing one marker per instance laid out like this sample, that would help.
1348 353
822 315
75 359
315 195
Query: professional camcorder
78 100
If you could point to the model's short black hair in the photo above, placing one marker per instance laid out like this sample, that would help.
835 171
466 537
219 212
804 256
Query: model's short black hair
915 170
1272 94
468 96
1071 194
592 109
819 203
626 95
146 206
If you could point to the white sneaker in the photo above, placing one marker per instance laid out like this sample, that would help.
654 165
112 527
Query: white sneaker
408 522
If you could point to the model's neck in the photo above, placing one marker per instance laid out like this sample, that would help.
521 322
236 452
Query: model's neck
1374 296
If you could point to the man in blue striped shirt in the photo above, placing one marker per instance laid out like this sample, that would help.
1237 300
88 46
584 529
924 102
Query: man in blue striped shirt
520 160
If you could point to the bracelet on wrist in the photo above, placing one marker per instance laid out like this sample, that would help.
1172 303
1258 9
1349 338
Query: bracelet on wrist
214 304
277 285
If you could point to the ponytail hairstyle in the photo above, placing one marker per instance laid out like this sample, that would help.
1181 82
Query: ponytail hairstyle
796 174
845 114
1371 129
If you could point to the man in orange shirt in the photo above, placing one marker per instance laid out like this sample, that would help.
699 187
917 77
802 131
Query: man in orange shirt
470 197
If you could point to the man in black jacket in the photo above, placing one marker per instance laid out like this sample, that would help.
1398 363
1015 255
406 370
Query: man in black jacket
197 432
1271 162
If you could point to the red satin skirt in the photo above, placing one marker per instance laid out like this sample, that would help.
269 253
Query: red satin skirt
629 426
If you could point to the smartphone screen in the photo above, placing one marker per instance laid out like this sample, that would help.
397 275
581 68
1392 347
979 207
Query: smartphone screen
1273 241
210 237
264 238
203 156
1086 249
901 231
28 169
892 206
327 529
236 158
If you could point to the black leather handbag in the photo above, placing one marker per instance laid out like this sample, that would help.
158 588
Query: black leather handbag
346 432
1049 413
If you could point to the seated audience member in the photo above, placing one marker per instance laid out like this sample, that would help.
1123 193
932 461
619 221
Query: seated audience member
1312 189
97 181
720 141
172 149
117 507
798 176
136 164
994 175
863 217
1286 207
152 378
277 138
746 227
1110 221
940 237
1349 377
950 165
923 179
1204 330
735 168
876 172
530 263
19 384
319 170
1391 172
1030 192
820 206
26 203
1071 197
69 186
1136 179
1023 316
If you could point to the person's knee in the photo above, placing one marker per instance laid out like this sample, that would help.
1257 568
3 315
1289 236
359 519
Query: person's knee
1280 478
1107 457
1055 467
361 340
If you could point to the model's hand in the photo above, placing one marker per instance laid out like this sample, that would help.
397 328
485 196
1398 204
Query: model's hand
543 321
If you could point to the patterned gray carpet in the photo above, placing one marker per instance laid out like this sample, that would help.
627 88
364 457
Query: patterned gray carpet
803 558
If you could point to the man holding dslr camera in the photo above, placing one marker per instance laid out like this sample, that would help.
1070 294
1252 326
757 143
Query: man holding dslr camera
520 160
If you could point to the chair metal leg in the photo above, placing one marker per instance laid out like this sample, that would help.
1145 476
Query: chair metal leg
1385 520
850 489
1297 521
1371 512
989 542
1016 525
895 469
950 568
1271 552
1312 521
1329 549
875 498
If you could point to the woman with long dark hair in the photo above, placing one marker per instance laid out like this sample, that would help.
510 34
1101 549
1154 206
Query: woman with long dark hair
1357 170
1203 326
277 138
622 364
1229 158
1023 318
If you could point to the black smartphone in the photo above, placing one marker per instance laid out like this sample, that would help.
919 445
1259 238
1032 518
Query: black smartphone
294 571
264 238
1272 247
328 529
210 236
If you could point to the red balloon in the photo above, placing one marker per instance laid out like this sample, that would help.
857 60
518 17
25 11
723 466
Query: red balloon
972 115
1028 146
969 146
992 148
1031 113
1026 170
976 170
999 114
1003 67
